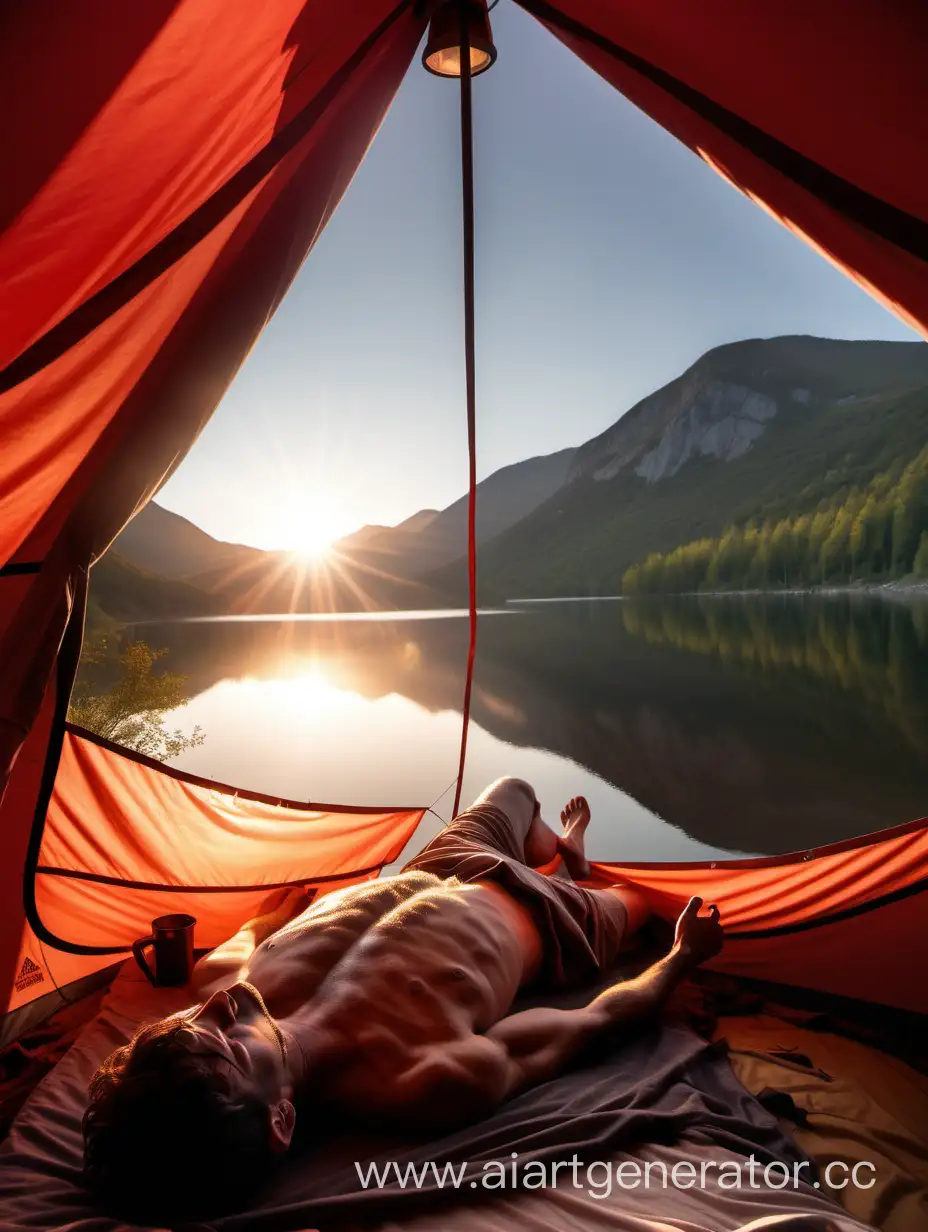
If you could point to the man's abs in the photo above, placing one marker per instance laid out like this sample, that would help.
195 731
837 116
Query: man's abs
432 975
446 962
288 968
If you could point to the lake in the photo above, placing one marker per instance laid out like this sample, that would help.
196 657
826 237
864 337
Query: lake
696 726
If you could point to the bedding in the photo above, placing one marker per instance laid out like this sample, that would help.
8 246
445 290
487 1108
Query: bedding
668 1098
38 1050
850 1103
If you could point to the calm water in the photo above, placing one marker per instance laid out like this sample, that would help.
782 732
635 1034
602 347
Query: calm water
694 726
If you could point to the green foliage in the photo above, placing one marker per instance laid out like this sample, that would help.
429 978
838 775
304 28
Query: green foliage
868 417
920 564
877 530
875 652
130 709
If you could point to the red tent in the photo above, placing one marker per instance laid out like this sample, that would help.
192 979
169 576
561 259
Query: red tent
167 167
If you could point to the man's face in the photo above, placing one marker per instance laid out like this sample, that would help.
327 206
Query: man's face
234 1030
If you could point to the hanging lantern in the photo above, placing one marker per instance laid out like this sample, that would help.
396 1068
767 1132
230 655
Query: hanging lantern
442 55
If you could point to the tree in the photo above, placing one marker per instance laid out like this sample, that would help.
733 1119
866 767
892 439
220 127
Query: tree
911 512
857 532
729 564
132 710
860 536
921 556
781 548
835 559
631 580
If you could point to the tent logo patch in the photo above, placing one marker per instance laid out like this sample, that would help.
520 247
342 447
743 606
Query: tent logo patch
29 973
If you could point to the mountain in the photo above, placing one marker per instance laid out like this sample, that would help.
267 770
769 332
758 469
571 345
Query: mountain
162 542
763 429
390 567
376 567
367 535
431 539
419 521
122 593
505 498
755 429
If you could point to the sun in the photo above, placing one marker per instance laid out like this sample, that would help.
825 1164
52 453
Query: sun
314 545
310 524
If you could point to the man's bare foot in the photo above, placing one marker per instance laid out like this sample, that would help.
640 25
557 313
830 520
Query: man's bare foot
575 817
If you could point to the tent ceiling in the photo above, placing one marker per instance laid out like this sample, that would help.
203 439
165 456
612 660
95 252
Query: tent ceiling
167 166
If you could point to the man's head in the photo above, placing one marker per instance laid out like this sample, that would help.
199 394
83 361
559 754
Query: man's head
194 1109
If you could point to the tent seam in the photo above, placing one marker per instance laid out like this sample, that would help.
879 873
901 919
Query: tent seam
50 870
881 218
227 789
173 246
836 917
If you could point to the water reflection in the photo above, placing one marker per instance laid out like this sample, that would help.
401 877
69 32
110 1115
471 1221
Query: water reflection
695 725
875 651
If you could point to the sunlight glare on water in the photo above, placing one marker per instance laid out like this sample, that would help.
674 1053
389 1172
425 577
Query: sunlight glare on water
306 738
695 726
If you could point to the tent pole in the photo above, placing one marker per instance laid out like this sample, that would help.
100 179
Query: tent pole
467 193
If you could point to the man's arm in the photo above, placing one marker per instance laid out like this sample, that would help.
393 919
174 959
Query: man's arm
224 964
445 1085
541 1043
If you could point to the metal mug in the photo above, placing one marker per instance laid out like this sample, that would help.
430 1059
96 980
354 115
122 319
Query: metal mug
171 938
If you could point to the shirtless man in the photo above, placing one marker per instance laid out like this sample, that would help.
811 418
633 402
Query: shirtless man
384 1005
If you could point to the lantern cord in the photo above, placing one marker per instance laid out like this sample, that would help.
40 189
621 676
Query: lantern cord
467 193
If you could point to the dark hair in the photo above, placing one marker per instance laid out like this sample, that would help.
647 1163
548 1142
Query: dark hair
164 1130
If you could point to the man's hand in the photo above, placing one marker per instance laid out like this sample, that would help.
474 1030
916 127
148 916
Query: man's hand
541 1043
283 905
698 937
225 964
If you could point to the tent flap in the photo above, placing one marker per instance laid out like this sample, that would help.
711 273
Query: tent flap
840 919
167 178
170 166
816 112
126 839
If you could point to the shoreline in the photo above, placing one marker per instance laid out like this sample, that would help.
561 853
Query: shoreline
901 588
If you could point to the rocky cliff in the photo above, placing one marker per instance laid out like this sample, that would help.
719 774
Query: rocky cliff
752 429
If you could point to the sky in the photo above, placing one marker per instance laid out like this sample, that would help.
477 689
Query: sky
609 258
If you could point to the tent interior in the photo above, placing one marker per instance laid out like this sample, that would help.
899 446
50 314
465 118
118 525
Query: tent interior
135 288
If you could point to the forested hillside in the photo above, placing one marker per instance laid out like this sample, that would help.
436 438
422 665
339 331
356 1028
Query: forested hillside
875 531
769 463
754 433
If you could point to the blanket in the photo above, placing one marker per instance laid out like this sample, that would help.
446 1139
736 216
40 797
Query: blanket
851 1106
666 1089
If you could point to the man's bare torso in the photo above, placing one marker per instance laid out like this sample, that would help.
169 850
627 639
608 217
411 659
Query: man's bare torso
389 1004
444 965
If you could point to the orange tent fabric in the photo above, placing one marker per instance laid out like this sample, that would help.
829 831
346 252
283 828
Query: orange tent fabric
843 919
126 839
216 151
818 112
170 165
167 167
